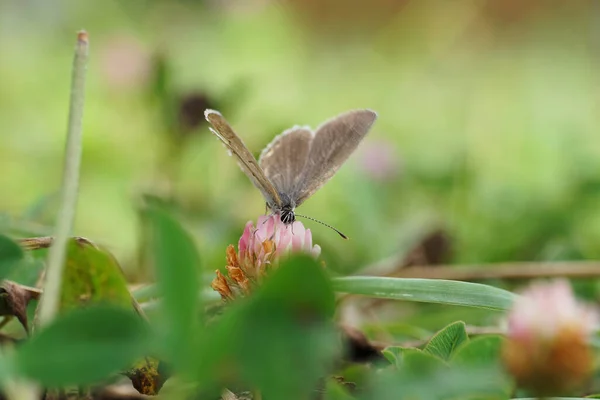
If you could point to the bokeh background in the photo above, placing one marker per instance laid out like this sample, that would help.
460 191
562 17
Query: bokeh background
487 134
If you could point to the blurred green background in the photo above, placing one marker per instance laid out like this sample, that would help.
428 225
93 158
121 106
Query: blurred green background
487 129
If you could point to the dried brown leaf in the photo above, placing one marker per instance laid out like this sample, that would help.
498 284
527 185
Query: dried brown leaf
14 299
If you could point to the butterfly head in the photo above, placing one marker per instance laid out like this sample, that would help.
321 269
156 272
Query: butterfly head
287 215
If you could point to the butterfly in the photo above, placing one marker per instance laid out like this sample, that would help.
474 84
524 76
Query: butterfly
297 162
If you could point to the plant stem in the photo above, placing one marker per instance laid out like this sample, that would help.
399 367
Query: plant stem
70 184
21 390
516 270
509 270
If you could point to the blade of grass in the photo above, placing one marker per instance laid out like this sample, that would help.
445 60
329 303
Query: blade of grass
428 291
70 184
48 307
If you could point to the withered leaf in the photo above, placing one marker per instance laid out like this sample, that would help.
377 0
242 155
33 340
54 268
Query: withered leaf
147 376
14 299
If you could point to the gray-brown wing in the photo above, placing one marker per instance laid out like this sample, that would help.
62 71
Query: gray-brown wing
333 143
284 158
246 160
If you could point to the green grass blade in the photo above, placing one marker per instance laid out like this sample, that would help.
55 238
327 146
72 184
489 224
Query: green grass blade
427 291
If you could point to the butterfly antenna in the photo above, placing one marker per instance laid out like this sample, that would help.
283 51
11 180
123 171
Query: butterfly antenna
323 223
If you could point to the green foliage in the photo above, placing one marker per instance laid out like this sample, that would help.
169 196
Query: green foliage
423 376
451 366
282 340
83 347
427 290
484 352
474 127
176 263
335 391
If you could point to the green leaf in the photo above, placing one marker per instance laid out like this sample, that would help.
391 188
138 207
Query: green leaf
357 374
301 285
428 291
484 352
393 354
336 391
177 263
92 275
282 340
479 351
289 340
444 343
433 384
83 346
420 375
11 255
417 362
412 366
411 360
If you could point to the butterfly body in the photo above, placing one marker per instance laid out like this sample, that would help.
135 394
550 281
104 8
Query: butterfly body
297 162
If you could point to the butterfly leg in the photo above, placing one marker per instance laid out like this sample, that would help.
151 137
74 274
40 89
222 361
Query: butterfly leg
270 215
266 220
266 210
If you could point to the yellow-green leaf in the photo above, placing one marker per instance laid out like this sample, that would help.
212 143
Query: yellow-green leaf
92 275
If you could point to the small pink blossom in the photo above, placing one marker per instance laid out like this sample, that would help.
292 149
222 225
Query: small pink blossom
125 62
546 308
259 249
286 239
547 348
379 160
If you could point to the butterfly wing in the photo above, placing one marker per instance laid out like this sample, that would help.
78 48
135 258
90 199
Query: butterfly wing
331 146
246 161
283 159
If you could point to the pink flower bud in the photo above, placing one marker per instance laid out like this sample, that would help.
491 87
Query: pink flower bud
548 349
